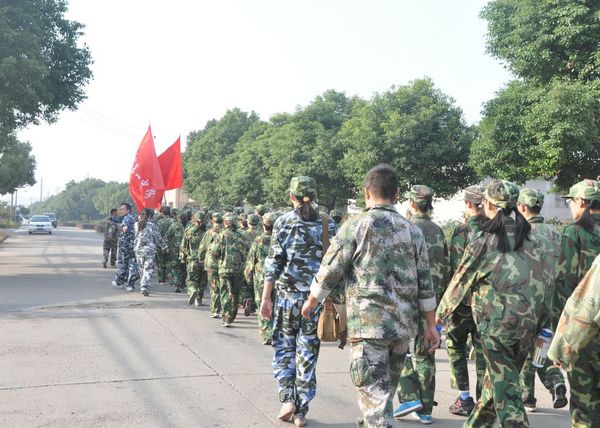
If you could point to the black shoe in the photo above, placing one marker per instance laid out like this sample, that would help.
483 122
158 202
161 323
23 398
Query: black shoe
247 307
559 396
462 407
104 265
177 290
530 404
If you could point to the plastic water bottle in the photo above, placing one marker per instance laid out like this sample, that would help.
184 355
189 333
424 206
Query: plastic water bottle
438 327
542 344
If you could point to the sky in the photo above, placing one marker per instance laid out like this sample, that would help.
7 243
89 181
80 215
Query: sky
178 64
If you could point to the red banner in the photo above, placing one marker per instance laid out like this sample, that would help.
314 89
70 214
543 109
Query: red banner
146 182
170 165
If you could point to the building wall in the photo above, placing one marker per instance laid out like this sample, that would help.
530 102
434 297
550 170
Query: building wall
177 198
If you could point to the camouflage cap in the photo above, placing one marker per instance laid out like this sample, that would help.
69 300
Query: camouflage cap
419 193
474 193
531 198
303 186
498 194
230 217
217 216
269 218
513 190
336 214
198 215
261 209
253 220
586 189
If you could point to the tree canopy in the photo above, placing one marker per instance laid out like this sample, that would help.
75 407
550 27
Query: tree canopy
335 139
546 123
17 164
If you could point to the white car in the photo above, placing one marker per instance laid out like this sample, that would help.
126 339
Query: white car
40 224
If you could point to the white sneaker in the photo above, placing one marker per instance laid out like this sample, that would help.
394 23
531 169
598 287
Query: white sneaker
144 291
129 288
287 412
114 283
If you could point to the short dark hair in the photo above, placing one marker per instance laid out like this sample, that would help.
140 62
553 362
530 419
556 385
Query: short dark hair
382 181
127 205
113 210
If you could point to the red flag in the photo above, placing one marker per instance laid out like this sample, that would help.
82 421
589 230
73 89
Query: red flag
146 183
170 165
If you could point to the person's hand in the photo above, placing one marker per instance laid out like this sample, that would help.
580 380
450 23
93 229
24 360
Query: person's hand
431 338
309 305
266 309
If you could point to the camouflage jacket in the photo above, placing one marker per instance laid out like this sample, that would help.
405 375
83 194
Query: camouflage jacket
509 295
173 236
296 251
549 238
578 250
229 251
127 236
111 232
460 239
382 259
437 252
148 240
204 249
579 324
190 244
254 272
163 223
250 234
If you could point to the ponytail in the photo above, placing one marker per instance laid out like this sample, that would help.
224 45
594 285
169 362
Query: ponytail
306 210
145 215
497 227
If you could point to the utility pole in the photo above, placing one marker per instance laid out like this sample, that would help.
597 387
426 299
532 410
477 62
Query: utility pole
41 188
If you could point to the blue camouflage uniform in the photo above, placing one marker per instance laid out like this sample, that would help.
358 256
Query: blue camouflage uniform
147 242
128 270
294 258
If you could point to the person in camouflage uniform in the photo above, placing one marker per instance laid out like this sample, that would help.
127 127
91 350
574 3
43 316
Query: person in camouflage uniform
461 326
254 273
163 221
111 237
260 210
175 268
336 215
294 257
530 204
229 251
128 270
147 241
579 247
210 264
503 270
578 331
188 254
381 258
416 387
247 292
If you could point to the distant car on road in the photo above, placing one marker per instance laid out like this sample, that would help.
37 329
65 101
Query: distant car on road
53 219
40 224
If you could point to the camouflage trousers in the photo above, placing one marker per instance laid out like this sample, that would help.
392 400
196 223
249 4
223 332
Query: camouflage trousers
375 367
584 383
296 351
230 296
458 329
109 249
265 327
162 260
246 292
417 379
128 271
196 279
215 292
501 396
549 375
145 262
176 273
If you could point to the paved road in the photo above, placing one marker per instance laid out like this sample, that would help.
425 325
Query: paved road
74 351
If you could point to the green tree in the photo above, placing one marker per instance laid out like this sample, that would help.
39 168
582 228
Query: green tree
17 165
546 123
43 70
207 150
418 130
111 196
75 201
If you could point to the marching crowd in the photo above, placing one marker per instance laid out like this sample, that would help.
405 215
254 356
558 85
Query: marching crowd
505 288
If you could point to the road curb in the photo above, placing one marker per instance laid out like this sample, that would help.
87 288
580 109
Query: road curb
5 233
